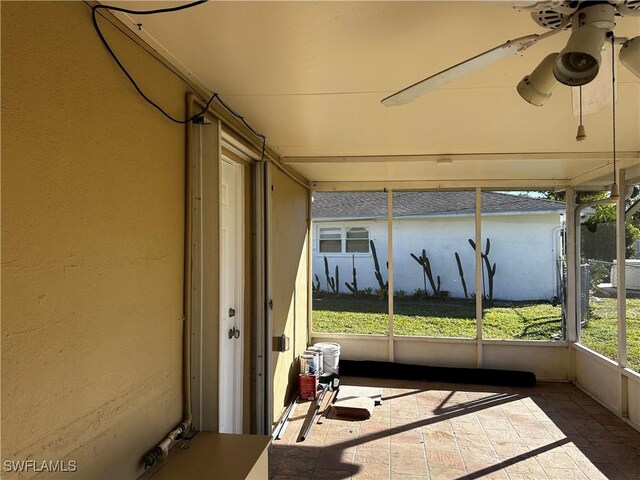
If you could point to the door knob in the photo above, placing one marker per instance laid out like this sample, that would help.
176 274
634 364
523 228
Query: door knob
232 312
234 332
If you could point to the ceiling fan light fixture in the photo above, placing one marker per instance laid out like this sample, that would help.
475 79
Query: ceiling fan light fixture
630 55
537 87
578 63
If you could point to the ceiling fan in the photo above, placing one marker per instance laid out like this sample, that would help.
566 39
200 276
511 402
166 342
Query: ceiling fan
592 24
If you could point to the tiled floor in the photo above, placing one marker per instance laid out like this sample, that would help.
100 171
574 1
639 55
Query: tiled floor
449 431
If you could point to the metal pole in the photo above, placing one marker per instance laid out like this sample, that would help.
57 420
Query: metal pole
269 367
573 289
261 371
621 292
316 409
310 241
390 270
621 283
478 222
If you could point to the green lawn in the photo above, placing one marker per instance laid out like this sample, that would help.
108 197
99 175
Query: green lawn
456 318
601 332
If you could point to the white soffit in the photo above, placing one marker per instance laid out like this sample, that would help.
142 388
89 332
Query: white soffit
310 75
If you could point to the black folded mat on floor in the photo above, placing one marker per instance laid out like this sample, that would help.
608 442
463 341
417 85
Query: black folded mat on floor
476 376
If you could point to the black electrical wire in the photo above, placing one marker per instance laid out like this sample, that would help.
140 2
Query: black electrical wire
94 11
246 124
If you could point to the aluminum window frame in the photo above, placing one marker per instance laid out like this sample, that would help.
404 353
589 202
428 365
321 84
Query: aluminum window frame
343 239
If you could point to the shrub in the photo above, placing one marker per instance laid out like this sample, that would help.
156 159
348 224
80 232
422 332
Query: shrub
443 295
381 293
420 293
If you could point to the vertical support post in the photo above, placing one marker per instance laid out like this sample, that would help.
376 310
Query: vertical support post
573 268
621 280
578 269
390 270
309 268
621 291
262 351
194 272
268 296
478 223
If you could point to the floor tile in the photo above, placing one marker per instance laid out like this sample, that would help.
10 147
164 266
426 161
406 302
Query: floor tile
295 466
372 472
396 476
440 442
326 474
509 450
446 473
408 466
527 468
405 450
564 474
373 455
410 436
449 431
445 460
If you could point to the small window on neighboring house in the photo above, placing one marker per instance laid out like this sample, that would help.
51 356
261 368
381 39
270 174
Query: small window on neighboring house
330 240
357 240
343 240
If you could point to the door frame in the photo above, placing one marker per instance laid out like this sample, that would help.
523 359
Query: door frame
207 140
237 375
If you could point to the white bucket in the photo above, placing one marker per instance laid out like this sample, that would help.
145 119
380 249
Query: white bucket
331 356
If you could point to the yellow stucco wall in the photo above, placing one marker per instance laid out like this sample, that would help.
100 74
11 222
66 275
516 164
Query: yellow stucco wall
289 243
92 244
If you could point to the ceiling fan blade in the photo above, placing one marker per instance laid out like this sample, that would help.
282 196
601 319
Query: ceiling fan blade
418 89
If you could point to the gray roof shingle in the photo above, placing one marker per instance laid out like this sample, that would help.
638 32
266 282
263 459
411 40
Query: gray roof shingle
374 204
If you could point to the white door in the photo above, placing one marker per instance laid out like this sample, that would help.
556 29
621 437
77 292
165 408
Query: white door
231 296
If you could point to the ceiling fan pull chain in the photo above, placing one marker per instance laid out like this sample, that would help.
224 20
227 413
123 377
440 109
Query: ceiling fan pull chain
581 136
580 104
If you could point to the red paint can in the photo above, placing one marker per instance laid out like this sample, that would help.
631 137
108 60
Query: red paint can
308 386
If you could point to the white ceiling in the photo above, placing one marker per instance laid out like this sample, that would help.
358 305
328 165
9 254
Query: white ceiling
310 76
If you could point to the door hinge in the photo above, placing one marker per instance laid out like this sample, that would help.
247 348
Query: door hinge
270 304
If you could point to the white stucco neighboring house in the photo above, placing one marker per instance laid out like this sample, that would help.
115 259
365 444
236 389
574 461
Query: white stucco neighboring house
525 236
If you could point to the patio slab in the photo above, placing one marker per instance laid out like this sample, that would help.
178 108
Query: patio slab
453 431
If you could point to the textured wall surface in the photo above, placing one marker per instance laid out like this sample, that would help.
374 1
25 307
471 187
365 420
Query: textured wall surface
92 244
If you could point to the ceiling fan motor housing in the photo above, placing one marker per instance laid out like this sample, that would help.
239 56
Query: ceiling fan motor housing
578 63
